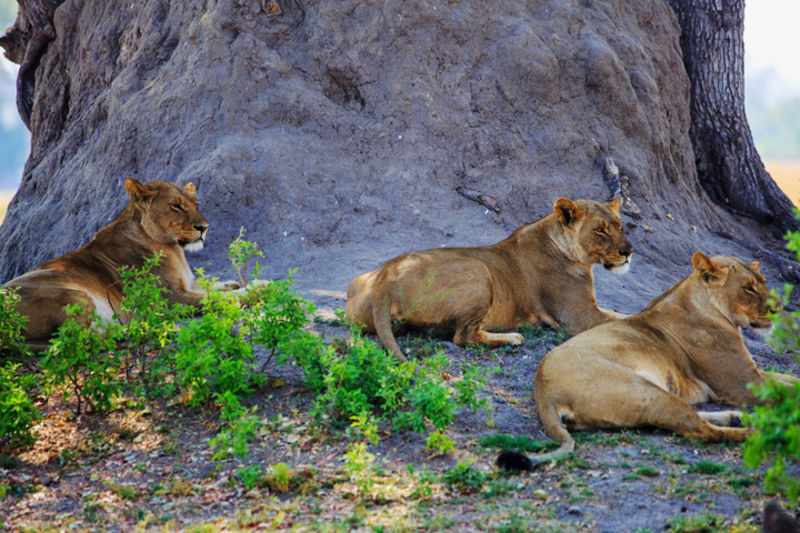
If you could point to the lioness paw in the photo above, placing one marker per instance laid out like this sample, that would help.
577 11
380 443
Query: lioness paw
515 338
228 285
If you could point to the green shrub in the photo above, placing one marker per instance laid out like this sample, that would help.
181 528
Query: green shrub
277 316
241 428
360 377
241 252
84 360
776 436
213 352
465 478
18 411
151 328
439 443
359 462
12 325
431 399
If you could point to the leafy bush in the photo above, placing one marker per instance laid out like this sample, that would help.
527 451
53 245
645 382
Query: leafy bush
153 351
150 330
241 252
213 352
12 324
465 478
439 443
242 425
360 377
776 436
359 462
84 360
18 411
776 425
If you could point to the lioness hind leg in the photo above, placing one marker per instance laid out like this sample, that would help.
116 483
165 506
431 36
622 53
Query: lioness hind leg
722 418
619 397
44 307
677 415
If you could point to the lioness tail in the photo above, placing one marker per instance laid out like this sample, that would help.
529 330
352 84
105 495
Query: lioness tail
554 427
382 319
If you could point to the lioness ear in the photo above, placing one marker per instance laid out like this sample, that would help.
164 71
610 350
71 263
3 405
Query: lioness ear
190 189
137 191
614 204
713 274
755 266
567 212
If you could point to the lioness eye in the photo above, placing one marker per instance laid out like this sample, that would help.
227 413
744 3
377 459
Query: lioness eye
177 207
600 231
750 289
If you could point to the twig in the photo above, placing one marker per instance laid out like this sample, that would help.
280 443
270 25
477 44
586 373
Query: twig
479 197
620 186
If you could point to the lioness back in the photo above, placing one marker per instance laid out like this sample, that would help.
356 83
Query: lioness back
541 273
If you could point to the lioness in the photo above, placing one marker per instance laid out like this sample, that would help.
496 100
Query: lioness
646 370
541 273
161 216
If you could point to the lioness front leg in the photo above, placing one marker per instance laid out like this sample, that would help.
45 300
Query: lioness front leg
722 418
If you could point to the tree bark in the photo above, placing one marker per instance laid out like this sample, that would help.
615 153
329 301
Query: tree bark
24 43
728 165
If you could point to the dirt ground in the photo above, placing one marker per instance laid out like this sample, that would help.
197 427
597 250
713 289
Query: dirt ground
152 469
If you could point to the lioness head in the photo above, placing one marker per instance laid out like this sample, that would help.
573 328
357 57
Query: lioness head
169 212
737 290
595 230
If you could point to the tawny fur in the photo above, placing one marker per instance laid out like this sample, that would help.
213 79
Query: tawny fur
686 347
542 273
161 216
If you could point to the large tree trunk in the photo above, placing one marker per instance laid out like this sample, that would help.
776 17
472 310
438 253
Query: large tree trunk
24 44
728 165
341 133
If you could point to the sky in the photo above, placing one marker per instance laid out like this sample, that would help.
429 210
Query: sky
771 53
770 42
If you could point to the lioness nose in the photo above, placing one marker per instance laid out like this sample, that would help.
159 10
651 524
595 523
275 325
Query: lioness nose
201 227
627 249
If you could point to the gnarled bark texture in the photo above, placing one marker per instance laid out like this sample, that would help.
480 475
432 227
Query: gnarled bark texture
341 133
728 165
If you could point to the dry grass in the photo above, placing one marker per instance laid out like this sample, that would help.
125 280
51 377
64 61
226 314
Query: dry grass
5 198
787 175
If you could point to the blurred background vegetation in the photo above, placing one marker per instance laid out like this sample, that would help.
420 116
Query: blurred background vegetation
772 97
14 136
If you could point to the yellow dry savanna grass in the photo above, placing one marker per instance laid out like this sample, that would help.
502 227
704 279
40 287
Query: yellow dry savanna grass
5 198
787 175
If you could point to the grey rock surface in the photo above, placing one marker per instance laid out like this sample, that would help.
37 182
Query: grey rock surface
337 131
